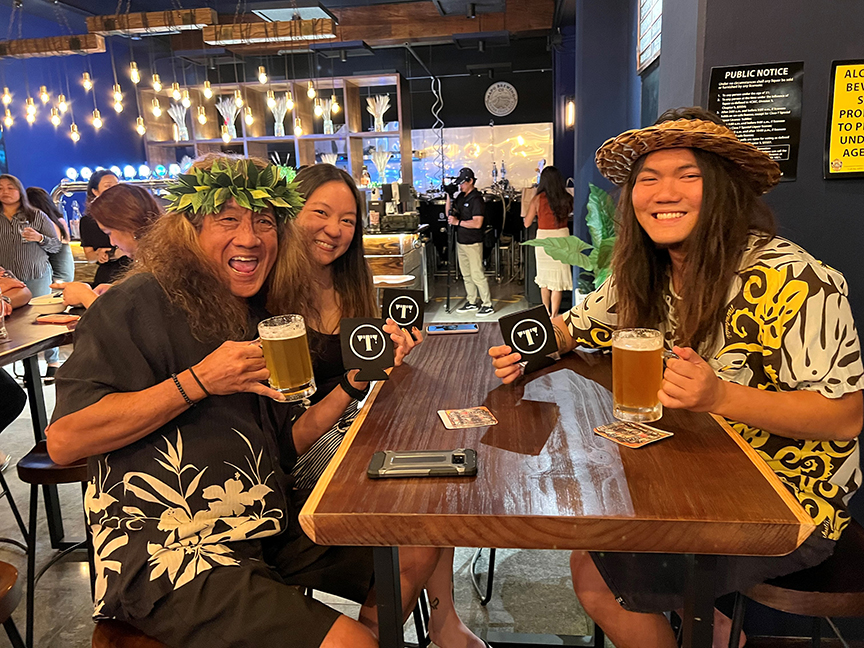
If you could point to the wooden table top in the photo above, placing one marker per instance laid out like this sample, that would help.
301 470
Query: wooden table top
545 480
27 338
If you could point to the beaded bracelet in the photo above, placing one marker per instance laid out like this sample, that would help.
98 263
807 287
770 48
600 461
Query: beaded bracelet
182 391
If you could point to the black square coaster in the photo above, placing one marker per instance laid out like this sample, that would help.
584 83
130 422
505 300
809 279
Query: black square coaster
530 333
365 346
405 307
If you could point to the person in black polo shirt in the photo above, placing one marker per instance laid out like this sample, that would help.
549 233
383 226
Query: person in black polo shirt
467 215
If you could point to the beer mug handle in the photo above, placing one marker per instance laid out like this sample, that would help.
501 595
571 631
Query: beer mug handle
668 355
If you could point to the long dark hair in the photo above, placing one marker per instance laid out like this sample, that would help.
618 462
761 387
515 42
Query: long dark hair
126 208
352 278
93 184
730 211
26 207
40 199
553 185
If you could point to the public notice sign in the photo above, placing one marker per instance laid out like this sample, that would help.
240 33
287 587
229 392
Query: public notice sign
844 139
761 103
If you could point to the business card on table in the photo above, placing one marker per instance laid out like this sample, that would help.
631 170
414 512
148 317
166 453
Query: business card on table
632 435
467 418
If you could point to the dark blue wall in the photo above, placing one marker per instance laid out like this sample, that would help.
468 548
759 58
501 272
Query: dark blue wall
39 154
564 71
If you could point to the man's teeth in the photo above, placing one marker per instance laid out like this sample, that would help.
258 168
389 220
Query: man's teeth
668 215
243 264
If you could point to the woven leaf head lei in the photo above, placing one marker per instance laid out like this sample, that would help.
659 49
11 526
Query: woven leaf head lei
205 191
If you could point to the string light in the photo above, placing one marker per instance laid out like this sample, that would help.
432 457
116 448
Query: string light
186 101
7 98
202 115
226 134
118 93
140 127
289 100
55 117
175 91
298 127
157 109
247 116
62 104
8 120
334 104
262 75
208 91
30 109
97 119
271 99
86 81
118 107
157 83
310 91
43 94
74 134
134 74
318 110
238 98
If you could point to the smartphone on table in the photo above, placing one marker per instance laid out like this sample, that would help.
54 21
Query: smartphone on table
441 329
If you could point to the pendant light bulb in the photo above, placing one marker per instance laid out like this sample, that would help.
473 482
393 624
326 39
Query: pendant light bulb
202 115
7 98
247 116
262 75
118 107
134 74
55 117
73 132
310 90
140 127
238 98
30 108
186 101
31 119
61 103
86 81
298 127
175 91
226 134
118 93
208 91
271 99
334 104
157 109
318 110
43 94
157 83
97 119
289 100
7 120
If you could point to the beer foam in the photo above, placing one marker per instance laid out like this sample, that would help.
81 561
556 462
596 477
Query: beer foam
283 331
638 343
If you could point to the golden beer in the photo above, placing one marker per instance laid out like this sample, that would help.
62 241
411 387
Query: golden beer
637 373
286 353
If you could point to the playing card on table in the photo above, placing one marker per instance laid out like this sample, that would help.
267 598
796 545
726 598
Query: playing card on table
632 435
467 418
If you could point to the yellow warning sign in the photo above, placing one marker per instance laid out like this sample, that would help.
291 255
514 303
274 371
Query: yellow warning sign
845 151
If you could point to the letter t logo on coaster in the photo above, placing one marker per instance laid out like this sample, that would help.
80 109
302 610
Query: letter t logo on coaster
365 346
530 333
405 307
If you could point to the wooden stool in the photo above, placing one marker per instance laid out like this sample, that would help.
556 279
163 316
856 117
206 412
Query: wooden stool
10 596
833 589
37 469
116 634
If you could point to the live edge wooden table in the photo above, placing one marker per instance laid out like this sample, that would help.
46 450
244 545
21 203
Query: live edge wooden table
545 480
26 340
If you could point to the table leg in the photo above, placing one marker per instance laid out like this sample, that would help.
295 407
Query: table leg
39 415
699 602
389 597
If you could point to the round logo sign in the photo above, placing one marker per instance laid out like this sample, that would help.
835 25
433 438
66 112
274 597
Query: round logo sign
404 310
367 342
529 336
501 99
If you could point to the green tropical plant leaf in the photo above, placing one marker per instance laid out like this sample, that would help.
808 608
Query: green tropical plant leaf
567 249
601 276
604 253
601 215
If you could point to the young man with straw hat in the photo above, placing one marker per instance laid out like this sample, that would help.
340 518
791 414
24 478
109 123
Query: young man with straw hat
764 337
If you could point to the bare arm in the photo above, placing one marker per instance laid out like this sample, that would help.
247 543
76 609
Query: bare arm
16 291
532 212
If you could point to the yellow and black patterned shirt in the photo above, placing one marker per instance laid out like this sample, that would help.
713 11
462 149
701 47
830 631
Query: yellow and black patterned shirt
788 326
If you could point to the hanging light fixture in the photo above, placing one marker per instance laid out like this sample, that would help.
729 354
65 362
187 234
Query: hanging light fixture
118 93
157 83
298 127
289 100
7 98
310 90
43 94
208 91
226 134
247 116
186 101
318 110
86 81
55 117
175 91
334 103
140 127
30 110
157 108
97 119
7 120
74 134
271 99
238 98
262 75
62 104
118 107
134 74
202 115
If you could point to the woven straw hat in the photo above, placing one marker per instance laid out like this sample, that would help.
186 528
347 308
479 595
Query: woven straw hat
617 155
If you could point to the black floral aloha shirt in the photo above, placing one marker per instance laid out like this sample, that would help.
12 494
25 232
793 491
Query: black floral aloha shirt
788 326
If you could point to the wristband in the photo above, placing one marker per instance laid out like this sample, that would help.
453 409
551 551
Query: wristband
200 384
182 391
351 390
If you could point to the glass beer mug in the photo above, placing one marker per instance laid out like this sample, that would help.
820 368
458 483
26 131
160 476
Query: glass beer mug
286 352
637 374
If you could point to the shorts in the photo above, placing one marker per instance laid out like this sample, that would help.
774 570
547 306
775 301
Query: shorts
655 583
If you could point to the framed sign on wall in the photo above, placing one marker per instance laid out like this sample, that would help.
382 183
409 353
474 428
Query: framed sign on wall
844 137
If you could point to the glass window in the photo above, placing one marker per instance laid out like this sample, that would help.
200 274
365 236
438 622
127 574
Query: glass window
650 19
